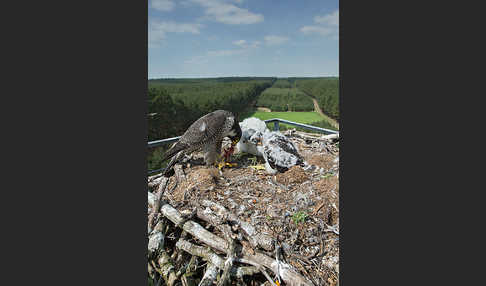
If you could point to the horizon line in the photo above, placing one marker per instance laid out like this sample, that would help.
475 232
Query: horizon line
188 77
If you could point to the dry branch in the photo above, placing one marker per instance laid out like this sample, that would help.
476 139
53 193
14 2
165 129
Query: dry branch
256 239
151 199
156 238
167 269
288 274
214 259
209 275
228 264
179 173
154 177
156 200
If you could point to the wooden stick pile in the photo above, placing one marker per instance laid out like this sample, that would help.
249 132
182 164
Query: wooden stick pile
182 251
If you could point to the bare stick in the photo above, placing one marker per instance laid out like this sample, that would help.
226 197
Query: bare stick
256 239
209 275
156 200
262 269
156 238
150 199
194 229
152 178
228 264
277 253
288 274
167 269
214 259
179 173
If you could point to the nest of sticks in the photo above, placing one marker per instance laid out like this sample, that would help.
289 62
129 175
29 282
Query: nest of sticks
242 226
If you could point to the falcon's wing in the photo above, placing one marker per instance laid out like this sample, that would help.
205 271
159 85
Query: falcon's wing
200 132
204 129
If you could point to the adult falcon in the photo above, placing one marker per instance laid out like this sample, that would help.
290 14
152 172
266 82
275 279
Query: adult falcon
206 133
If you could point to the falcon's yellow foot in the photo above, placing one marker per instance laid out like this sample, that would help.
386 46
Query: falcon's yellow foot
220 165
258 167
231 164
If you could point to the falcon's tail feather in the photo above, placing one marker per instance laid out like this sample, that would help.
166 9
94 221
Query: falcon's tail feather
169 170
174 150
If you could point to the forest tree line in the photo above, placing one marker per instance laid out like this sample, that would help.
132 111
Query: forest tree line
325 90
285 99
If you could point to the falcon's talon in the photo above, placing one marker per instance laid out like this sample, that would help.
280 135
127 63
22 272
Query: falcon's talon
221 165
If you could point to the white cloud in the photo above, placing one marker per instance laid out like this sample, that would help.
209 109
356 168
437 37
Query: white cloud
329 25
255 44
197 60
245 44
163 5
324 31
158 30
240 43
219 53
228 13
244 48
331 19
273 40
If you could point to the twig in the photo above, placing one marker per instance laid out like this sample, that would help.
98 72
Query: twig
179 173
277 249
228 264
152 178
332 229
167 269
209 275
318 208
262 269
156 200
156 238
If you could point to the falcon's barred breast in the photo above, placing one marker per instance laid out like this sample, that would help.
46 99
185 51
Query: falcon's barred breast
206 133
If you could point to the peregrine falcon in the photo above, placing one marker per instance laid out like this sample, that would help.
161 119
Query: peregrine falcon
206 133
278 151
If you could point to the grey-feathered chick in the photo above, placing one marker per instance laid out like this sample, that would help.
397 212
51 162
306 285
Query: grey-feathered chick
249 127
206 133
247 145
279 152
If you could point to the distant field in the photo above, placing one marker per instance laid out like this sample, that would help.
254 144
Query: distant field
301 117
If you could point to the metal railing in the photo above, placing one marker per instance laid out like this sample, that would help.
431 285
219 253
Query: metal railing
276 127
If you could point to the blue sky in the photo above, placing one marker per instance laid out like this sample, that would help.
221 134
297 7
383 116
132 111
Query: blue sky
214 38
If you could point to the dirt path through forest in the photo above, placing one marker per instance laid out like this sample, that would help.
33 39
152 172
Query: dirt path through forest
318 109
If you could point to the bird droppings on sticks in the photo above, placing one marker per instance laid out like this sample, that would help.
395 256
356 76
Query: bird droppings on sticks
204 213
